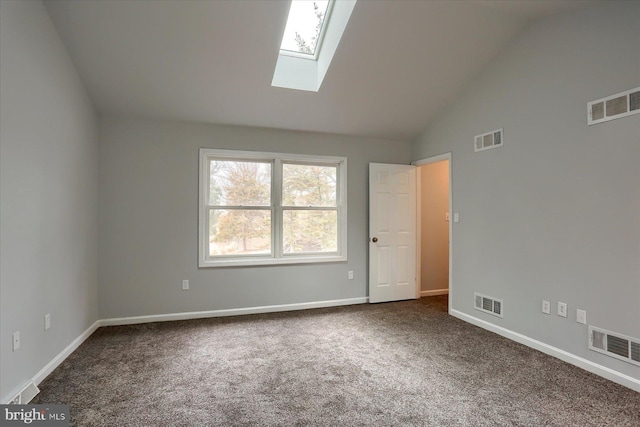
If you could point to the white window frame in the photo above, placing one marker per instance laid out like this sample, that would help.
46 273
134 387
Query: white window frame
277 257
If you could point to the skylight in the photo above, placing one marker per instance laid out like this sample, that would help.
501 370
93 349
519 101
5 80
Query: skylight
297 69
305 28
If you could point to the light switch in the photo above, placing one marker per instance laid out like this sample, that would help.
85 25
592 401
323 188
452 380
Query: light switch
562 309
546 307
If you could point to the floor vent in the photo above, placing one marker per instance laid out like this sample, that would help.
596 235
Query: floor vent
615 345
488 304
613 107
26 394
488 140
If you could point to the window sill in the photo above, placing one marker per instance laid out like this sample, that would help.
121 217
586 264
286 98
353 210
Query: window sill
255 262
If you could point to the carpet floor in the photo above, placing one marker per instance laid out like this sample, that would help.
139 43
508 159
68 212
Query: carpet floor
396 364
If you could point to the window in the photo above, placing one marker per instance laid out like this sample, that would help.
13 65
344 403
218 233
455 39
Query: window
265 208
305 28
306 53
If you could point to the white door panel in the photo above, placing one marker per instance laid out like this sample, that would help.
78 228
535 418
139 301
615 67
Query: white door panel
392 232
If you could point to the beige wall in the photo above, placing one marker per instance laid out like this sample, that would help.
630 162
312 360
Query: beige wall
434 236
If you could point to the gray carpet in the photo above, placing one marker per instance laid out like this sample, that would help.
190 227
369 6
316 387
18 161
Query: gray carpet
396 364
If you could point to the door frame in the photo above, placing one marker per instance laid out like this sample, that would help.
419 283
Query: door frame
417 163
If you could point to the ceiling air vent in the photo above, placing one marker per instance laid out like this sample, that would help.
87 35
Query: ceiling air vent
613 107
488 140
615 345
488 304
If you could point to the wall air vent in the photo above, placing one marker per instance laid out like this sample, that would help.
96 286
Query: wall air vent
615 345
614 107
488 140
28 392
488 304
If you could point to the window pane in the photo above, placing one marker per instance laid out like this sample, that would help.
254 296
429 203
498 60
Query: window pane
239 183
309 185
304 26
310 231
239 232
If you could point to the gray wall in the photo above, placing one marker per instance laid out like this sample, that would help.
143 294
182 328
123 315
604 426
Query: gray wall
48 185
149 211
554 214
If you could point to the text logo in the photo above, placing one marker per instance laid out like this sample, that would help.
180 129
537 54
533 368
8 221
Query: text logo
34 415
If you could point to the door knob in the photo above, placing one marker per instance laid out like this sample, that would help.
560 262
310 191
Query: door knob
374 240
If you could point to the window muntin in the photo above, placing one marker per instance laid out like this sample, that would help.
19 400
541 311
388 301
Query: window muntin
266 208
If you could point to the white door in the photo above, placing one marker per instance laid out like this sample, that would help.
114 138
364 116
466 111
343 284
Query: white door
392 232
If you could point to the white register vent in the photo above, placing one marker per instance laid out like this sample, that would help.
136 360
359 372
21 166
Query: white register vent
487 304
615 345
621 104
488 140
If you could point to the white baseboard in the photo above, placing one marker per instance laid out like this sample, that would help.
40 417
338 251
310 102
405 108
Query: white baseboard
230 312
56 361
434 292
580 362
49 367
587 365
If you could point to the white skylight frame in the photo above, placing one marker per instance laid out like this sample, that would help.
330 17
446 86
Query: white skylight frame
294 72
318 47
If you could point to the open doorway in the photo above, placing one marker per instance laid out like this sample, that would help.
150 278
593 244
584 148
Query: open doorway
434 228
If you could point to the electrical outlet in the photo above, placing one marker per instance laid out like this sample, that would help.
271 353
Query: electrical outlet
16 341
185 285
47 321
350 274
581 316
562 309
546 307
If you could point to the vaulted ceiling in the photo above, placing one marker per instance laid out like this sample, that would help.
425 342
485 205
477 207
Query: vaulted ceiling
398 65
